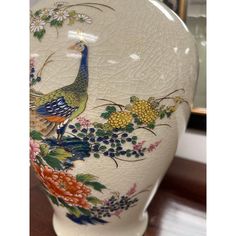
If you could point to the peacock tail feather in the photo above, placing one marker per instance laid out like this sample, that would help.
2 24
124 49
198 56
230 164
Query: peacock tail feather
37 122
66 103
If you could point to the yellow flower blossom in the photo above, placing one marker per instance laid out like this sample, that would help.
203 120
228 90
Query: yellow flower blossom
119 119
145 112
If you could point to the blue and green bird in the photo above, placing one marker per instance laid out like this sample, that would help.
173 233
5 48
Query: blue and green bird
58 108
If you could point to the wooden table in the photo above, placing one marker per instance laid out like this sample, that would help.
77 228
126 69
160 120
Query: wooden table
178 208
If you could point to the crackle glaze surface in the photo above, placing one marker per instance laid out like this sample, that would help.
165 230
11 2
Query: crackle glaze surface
111 85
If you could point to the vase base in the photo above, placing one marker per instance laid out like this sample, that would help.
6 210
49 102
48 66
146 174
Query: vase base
64 227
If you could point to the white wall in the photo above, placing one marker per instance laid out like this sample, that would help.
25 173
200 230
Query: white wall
192 146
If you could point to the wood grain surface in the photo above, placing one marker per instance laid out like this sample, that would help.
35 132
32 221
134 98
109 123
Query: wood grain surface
178 208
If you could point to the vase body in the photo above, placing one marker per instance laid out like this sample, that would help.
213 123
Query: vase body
111 87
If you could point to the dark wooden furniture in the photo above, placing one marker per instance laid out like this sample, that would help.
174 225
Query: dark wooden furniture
178 208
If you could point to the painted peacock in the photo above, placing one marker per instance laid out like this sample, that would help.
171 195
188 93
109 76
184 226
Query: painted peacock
56 109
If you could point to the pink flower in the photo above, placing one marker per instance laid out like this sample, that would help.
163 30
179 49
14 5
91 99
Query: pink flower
105 201
32 62
132 190
83 122
153 146
34 149
138 146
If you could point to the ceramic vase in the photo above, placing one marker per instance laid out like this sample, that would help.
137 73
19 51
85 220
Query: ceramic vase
111 88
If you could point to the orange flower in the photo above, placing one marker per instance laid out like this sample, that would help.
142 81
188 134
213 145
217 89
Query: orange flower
63 185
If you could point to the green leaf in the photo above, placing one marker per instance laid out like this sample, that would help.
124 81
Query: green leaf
84 211
44 150
72 13
168 114
151 125
105 115
134 138
74 211
53 162
134 99
36 135
46 18
78 125
117 144
96 186
39 34
94 200
96 155
53 199
129 128
102 148
71 20
72 17
110 109
60 154
100 133
137 121
38 12
81 135
162 114
84 178
108 133
56 23
97 125
128 153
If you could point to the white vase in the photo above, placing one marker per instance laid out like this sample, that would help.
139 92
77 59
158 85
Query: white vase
111 87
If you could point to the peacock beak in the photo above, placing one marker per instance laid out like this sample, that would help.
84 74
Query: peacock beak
74 47
78 47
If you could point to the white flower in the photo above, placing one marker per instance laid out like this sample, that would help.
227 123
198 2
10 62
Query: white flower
37 25
84 18
60 15
47 12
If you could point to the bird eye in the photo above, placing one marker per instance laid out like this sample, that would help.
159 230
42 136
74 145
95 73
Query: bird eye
80 45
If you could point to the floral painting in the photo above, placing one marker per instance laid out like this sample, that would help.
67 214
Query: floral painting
61 135
60 14
112 136
75 193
